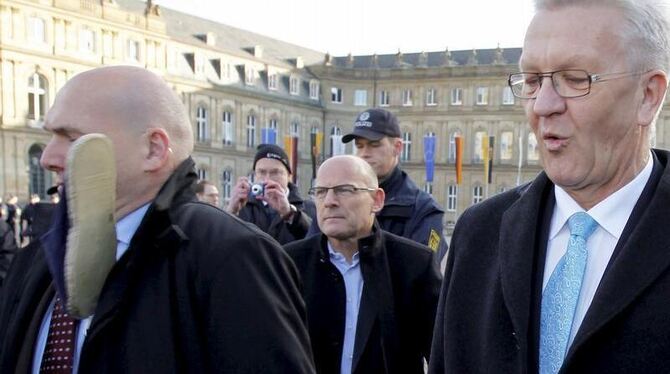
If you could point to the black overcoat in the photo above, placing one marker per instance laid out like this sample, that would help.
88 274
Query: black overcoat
198 291
395 320
488 317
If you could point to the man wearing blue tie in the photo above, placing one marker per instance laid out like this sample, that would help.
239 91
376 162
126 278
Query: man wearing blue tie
571 272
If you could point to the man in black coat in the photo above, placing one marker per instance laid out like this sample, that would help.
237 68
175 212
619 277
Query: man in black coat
371 295
194 290
276 206
408 210
571 273
7 247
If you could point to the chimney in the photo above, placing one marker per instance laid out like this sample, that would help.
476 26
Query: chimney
210 39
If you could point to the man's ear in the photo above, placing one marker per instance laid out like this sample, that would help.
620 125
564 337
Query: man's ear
378 202
654 87
397 146
158 149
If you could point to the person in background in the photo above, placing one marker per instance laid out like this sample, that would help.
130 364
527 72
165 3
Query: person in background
7 247
408 211
276 208
13 217
28 215
207 192
571 272
371 295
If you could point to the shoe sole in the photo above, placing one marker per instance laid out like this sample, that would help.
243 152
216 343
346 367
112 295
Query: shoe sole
91 240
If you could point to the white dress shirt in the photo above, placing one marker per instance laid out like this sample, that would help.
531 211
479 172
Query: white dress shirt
611 215
353 284
125 229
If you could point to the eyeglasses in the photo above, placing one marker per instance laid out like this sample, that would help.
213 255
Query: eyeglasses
567 83
343 190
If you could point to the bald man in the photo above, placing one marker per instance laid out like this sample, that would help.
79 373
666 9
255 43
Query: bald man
371 295
181 297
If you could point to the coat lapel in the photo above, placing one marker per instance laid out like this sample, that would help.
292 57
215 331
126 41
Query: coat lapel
155 233
642 258
40 285
377 301
366 320
143 248
517 246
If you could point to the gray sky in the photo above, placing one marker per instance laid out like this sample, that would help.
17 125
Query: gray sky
373 26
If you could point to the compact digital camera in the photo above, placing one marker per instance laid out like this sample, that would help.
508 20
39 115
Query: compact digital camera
258 189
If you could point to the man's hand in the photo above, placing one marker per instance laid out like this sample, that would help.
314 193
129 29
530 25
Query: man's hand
277 198
238 198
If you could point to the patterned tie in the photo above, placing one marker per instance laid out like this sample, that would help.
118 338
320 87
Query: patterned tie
560 296
59 350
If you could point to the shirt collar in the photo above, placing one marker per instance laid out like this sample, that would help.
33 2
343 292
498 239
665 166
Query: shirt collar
126 227
612 213
338 257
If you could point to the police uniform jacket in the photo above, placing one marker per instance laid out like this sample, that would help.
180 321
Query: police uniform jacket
411 213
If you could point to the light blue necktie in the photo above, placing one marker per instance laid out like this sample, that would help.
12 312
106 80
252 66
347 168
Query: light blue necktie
559 298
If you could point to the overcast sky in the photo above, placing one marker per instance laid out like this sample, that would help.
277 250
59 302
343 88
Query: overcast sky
373 26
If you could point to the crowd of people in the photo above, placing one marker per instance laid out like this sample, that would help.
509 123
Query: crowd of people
567 273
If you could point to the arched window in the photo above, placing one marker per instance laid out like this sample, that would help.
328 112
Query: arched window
226 185
406 153
477 194
37 96
251 131
336 145
202 123
452 145
479 142
40 179
269 134
452 196
295 129
506 145
202 172
227 124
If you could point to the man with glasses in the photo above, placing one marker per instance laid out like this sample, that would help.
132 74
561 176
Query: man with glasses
408 210
274 204
371 295
571 272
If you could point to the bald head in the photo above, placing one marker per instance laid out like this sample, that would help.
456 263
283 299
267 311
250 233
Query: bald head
138 112
346 212
134 98
355 167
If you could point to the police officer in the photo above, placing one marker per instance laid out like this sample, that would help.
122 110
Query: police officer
277 208
408 211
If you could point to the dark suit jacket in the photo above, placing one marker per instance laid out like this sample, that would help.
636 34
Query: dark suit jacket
198 291
397 311
488 317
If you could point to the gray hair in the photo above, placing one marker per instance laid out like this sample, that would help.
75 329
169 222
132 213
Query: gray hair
644 32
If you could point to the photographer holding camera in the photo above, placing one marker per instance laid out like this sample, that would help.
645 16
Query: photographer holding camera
272 202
